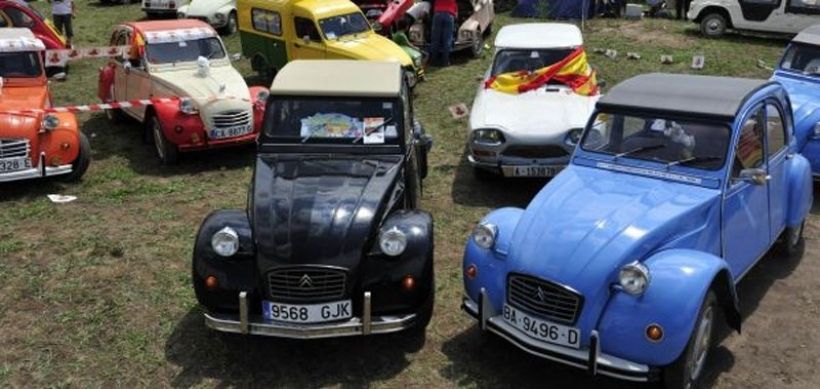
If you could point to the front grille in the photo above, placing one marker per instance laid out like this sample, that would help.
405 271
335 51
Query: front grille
14 148
549 151
231 119
307 284
544 298
202 18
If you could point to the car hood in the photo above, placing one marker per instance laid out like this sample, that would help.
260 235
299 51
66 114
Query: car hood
319 210
369 46
185 82
206 7
586 223
538 111
805 105
23 97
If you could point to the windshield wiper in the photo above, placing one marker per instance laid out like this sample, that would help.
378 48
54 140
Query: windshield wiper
694 160
640 150
374 129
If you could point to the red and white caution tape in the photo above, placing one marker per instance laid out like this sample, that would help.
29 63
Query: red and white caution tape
59 57
96 107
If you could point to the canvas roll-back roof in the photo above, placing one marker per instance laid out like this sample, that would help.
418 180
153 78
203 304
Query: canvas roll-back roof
538 36
338 78
811 36
717 97
19 39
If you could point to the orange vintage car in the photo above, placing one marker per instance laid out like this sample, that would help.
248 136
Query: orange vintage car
34 143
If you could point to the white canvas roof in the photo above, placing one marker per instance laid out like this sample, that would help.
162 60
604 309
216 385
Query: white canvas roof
19 39
338 78
538 36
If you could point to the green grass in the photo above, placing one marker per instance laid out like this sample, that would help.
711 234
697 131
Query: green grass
97 292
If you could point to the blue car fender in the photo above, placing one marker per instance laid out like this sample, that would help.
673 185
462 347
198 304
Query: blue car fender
679 281
801 188
490 264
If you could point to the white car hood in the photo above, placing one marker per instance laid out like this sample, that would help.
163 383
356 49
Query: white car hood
204 90
538 111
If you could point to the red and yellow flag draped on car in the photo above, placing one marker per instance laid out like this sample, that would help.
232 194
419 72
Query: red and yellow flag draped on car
574 71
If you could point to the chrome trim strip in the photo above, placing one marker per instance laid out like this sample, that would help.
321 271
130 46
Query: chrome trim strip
35 172
257 325
243 312
607 365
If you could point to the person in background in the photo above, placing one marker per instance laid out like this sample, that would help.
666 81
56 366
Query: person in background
444 20
682 8
62 11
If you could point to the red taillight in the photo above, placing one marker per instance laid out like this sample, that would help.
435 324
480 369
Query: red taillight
471 272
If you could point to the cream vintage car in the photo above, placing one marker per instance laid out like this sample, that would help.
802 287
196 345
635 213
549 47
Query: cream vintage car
197 99
221 14
474 22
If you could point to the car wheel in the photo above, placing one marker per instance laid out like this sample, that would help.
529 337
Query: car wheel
687 371
80 164
231 26
166 150
792 239
478 46
713 25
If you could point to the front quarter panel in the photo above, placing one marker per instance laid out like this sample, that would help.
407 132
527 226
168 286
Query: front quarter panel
801 187
680 280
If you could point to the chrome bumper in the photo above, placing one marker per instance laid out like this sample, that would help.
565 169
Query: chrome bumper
590 359
256 325
35 173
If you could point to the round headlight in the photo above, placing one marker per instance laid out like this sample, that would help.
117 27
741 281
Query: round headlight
634 278
262 96
225 242
392 242
484 235
574 135
50 122
186 105
488 136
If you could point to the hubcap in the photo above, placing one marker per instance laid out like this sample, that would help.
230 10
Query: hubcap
700 348
714 26
159 142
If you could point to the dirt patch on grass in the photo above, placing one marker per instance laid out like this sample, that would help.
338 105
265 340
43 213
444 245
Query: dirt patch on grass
649 34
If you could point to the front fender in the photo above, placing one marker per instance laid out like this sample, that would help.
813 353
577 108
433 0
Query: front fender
680 279
179 128
106 79
383 275
491 264
234 274
62 144
801 188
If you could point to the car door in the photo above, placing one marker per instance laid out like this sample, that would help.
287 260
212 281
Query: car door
118 87
776 141
308 43
746 225
138 81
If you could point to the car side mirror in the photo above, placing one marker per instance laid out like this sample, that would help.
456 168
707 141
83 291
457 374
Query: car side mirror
235 57
306 39
126 65
425 141
754 176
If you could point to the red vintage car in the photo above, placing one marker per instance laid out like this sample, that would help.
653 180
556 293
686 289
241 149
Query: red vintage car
19 14
207 103
384 14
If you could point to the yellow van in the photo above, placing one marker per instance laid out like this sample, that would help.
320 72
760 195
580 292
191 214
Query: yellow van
274 32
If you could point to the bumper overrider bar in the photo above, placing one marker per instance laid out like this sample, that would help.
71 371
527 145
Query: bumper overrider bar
591 359
256 325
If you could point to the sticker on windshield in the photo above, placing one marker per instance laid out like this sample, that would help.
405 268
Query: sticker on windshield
534 54
373 131
659 125
183 44
331 125
390 131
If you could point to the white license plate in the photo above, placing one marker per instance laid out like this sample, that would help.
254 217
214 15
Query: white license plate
312 313
14 164
159 3
230 132
531 171
542 329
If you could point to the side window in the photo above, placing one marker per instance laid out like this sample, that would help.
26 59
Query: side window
807 7
266 21
19 19
775 131
749 152
306 28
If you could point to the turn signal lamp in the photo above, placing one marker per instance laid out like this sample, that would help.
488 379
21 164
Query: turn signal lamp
471 272
408 283
654 333
211 282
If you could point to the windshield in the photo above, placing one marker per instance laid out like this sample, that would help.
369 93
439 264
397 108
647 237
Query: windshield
20 64
693 144
341 25
184 51
507 61
359 121
803 59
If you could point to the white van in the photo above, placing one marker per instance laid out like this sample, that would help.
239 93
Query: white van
778 16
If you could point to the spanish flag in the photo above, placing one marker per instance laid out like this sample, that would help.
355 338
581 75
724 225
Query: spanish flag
574 71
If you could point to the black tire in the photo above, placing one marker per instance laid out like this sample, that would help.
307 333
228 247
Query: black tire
231 26
151 15
792 239
80 164
713 25
166 151
687 371
478 47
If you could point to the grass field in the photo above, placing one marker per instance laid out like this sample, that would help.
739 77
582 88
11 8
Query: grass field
97 292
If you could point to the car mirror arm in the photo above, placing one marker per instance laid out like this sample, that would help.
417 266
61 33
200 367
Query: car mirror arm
754 176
